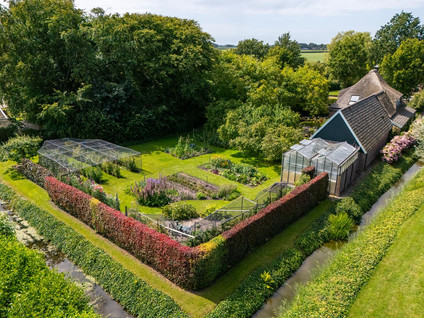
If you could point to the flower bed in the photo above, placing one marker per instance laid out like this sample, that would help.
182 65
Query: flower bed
239 172
393 150
187 148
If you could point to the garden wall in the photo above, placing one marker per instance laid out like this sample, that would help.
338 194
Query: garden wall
188 267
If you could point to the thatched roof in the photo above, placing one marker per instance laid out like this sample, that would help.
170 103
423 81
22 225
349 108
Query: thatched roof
370 84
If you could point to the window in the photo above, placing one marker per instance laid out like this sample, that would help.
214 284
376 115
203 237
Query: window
353 99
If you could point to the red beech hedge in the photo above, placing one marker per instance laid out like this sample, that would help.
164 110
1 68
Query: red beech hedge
271 220
188 267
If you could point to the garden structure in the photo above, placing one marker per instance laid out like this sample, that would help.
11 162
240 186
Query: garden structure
338 159
67 155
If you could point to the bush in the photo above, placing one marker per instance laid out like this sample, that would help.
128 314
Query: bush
304 178
417 101
20 147
33 171
6 227
30 288
111 168
180 211
201 196
339 226
129 290
226 190
93 173
348 206
187 148
393 150
152 192
7 132
130 164
271 220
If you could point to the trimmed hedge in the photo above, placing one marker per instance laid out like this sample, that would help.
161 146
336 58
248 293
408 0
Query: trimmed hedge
133 294
189 267
33 171
29 288
271 220
250 296
335 289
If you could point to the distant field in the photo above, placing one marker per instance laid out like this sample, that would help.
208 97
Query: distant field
314 55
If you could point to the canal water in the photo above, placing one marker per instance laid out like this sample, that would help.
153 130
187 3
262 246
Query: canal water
317 259
101 301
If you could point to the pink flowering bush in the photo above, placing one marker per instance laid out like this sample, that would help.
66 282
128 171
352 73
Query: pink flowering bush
152 192
393 150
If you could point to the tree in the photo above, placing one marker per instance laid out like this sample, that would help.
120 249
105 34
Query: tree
286 52
348 56
404 70
390 36
252 47
266 131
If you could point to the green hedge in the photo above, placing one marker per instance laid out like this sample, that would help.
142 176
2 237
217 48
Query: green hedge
250 296
333 292
29 288
132 293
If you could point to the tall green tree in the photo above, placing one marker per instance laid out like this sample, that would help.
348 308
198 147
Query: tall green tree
286 52
390 36
252 47
348 56
404 69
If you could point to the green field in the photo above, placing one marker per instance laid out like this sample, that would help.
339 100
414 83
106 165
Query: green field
314 56
396 288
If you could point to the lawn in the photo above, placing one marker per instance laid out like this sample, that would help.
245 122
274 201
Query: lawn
315 56
157 163
196 304
396 288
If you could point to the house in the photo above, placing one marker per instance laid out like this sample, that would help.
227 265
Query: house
374 84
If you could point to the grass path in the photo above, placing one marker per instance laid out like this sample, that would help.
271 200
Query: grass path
396 288
196 304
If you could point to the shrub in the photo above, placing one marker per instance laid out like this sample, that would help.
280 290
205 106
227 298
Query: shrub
417 101
226 190
7 132
271 220
93 173
187 148
6 227
129 290
130 164
310 171
30 288
348 206
201 196
33 171
20 147
152 192
339 226
393 150
180 211
304 178
111 168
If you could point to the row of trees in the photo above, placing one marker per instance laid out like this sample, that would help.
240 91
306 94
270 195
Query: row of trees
136 76
397 47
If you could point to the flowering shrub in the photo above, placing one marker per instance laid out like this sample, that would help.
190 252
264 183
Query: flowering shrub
393 150
239 172
152 192
180 211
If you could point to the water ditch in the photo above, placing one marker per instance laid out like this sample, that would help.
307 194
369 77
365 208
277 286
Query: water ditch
101 301
317 259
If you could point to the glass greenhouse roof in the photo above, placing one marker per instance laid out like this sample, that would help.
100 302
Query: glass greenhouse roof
75 154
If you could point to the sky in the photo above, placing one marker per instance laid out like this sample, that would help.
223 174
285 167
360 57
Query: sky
228 22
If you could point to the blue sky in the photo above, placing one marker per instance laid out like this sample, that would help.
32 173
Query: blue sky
306 20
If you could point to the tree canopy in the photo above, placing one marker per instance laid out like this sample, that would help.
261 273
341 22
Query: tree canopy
404 69
252 47
390 36
286 52
348 56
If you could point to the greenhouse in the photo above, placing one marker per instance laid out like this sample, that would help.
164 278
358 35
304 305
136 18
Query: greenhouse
338 159
68 155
